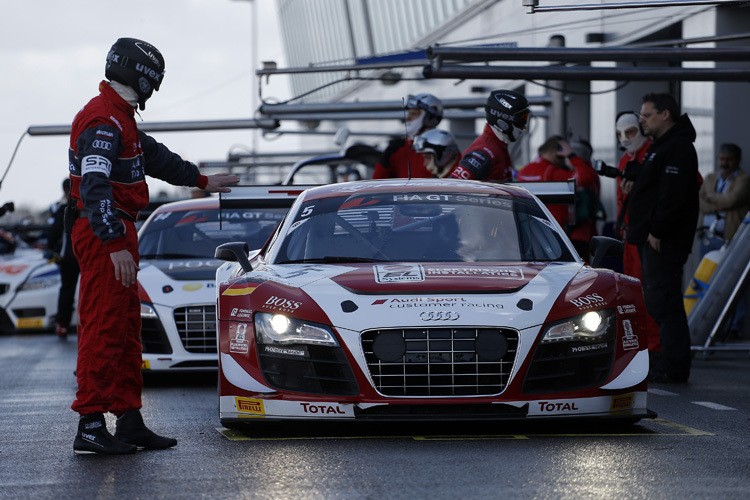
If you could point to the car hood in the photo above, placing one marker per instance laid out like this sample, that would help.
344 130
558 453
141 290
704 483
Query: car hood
178 282
350 296
421 278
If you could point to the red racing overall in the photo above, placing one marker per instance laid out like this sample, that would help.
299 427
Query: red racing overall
108 161
487 158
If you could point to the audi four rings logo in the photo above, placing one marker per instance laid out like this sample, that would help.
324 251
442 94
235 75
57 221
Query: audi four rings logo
102 145
439 316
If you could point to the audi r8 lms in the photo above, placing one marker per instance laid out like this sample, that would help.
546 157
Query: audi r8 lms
427 299
177 272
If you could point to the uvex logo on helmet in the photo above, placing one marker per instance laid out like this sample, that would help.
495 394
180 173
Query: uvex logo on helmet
148 53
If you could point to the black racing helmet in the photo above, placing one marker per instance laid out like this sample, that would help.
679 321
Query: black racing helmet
507 110
137 64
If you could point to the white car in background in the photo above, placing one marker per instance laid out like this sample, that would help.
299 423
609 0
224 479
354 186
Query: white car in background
177 270
29 287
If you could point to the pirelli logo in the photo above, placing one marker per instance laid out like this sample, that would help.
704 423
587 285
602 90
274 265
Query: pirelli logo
248 405
622 402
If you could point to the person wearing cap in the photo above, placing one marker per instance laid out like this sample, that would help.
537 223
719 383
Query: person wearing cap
487 158
108 160
424 113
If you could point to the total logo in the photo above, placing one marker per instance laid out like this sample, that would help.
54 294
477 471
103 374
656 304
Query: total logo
551 407
282 304
322 409
588 301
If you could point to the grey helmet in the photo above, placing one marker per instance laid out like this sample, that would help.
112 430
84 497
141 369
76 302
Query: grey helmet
441 145
430 104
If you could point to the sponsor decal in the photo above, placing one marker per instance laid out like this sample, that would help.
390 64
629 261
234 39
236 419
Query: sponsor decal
241 313
271 349
145 364
439 316
13 268
588 301
498 272
546 406
629 341
249 405
99 144
435 303
318 409
622 402
167 289
592 347
30 323
239 344
105 133
399 273
243 289
96 164
192 287
92 425
626 309
282 304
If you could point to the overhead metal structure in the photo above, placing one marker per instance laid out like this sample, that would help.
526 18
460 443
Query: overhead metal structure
438 68
532 6
186 126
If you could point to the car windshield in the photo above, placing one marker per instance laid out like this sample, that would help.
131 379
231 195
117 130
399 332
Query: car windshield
420 227
197 233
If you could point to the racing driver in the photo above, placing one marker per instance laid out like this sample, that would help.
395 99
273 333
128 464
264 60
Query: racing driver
108 160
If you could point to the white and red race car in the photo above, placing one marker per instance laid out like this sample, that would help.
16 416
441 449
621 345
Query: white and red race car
177 271
427 299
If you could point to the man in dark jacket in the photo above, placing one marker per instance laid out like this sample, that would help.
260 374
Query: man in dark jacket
662 215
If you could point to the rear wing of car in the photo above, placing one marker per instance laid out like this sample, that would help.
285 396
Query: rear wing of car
551 192
260 196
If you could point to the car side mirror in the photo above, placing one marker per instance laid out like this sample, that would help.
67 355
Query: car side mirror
235 251
602 247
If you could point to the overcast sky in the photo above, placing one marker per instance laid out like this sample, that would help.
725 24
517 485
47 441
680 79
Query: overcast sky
52 55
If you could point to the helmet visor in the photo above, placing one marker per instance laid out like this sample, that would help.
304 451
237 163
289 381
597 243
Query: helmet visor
522 119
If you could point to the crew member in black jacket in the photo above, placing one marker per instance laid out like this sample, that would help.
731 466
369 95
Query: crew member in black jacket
662 215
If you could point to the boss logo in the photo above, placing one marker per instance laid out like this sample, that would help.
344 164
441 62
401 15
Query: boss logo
283 303
587 300
439 316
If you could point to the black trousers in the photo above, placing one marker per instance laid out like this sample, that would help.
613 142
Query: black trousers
662 290
69 272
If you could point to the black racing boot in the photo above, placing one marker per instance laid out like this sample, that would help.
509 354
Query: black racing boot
132 430
93 437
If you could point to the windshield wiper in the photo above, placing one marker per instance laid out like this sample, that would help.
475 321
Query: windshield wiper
331 260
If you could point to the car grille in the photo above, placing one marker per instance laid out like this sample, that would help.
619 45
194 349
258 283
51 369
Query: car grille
310 369
196 326
440 361
153 337
4 288
570 366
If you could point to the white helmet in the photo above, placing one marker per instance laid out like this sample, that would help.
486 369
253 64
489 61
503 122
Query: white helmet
441 145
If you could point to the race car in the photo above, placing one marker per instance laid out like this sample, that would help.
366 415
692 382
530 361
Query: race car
177 271
29 287
427 299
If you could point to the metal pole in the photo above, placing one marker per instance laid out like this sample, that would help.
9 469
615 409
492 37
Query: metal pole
588 73
565 54
262 123
532 5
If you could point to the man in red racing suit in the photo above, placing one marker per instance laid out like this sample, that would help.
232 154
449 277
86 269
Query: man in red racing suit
487 158
108 160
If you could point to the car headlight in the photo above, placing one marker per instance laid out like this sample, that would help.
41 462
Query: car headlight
280 329
41 282
147 311
592 326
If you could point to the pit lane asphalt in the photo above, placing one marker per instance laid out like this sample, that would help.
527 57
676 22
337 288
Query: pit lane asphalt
698 448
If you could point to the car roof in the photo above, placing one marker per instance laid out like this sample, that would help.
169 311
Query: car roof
415 185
